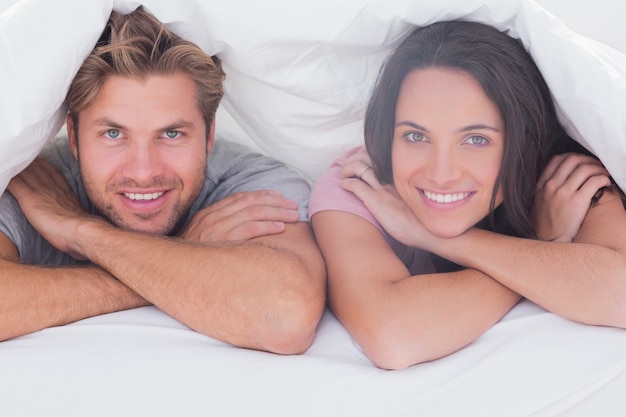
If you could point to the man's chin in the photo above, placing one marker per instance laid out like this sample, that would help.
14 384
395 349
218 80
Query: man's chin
150 228
149 223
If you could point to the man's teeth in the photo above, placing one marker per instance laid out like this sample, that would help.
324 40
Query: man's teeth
143 197
445 198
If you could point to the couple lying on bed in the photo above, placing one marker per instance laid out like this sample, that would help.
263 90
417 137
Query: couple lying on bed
467 198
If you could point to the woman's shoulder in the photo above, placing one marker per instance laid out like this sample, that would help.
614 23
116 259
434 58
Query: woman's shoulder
327 193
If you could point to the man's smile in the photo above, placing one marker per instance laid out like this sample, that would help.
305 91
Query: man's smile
143 197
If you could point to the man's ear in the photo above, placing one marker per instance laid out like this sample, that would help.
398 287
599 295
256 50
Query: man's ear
211 139
71 135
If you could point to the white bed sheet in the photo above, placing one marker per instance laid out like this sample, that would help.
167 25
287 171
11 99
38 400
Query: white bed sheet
296 89
144 363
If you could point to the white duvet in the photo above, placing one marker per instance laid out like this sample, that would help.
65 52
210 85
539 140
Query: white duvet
299 75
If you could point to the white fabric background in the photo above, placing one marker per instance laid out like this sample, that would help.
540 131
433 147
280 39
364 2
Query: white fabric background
299 74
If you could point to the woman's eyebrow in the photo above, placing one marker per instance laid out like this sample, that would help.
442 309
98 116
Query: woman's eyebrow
412 125
479 127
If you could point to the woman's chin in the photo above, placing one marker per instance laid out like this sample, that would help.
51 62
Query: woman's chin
447 232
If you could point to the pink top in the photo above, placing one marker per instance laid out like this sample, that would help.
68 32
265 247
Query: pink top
327 194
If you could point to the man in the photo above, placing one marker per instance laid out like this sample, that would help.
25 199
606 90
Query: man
141 205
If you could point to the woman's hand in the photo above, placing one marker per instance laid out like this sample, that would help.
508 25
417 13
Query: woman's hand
564 194
383 202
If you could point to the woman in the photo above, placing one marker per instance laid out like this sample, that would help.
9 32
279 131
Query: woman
438 230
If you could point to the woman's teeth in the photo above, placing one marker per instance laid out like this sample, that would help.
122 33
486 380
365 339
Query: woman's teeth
445 198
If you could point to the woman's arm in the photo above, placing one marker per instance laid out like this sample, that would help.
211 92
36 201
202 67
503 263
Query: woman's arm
584 280
580 273
399 319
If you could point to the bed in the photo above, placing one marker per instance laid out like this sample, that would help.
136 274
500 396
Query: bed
299 75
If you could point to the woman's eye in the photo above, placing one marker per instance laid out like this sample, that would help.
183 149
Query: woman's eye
477 140
414 137
113 133
172 134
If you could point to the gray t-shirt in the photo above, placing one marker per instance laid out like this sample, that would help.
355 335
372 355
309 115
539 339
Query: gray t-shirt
230 168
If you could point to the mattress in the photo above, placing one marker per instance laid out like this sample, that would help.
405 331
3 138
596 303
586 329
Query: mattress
143 362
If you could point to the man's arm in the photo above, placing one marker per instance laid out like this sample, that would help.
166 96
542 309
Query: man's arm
265 293
398 319
33 297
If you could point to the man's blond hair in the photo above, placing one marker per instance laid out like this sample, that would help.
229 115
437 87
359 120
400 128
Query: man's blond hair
137 45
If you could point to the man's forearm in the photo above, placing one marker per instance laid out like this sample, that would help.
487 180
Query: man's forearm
34 298
243 293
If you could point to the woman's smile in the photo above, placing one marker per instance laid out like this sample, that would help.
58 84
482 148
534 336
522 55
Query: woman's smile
445 198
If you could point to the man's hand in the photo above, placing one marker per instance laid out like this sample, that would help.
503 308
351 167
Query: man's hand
564 194
49 204
242 216
383 202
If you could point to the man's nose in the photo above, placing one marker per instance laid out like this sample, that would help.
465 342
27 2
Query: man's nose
143 162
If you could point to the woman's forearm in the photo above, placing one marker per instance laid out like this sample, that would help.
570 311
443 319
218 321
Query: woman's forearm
581 281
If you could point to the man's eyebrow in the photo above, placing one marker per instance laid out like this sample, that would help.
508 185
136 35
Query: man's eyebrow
177 125
105 121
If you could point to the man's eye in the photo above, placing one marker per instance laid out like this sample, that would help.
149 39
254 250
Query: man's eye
113 133
172 134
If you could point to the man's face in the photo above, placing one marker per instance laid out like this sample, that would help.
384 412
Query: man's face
142 150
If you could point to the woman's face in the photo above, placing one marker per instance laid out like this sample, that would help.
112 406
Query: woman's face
447 149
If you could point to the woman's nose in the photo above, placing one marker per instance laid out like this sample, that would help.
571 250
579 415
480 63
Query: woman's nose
443 166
